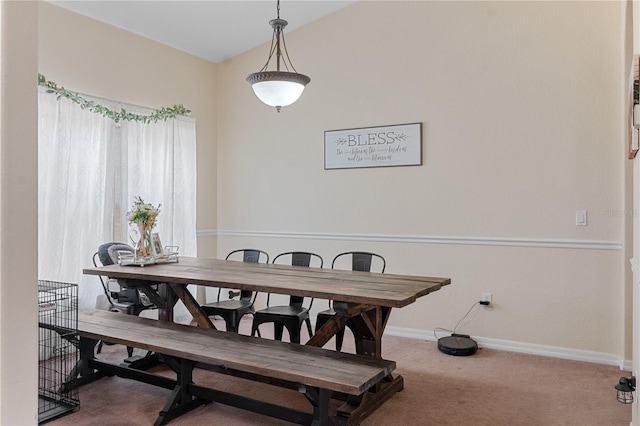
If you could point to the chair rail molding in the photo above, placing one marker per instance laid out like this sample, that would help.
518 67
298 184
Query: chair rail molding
423 239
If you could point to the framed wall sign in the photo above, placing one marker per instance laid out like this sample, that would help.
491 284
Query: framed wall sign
382 146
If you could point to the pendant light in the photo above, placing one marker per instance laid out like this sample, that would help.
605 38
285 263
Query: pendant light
278 88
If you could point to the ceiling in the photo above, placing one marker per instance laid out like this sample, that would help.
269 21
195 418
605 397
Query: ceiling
215 30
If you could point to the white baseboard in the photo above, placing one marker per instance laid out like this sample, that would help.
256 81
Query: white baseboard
503 345
525 348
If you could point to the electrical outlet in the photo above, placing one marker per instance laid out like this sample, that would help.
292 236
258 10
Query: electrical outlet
485 297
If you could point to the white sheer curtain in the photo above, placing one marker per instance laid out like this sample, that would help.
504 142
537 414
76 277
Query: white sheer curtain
159 165
91 169
75 191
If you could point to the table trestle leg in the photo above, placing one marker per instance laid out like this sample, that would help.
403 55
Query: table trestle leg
354 410
192 306
368 328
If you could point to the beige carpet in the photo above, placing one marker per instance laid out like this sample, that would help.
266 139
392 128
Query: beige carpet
489 388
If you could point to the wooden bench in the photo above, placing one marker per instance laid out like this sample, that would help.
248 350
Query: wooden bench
317 372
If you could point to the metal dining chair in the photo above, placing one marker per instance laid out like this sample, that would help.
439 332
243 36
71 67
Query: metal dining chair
360 261
232 310
121 299
293 315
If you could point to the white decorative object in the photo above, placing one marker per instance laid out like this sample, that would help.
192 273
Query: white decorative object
169 255
396 145
143 215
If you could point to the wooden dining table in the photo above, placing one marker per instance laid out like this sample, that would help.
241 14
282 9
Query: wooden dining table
362 300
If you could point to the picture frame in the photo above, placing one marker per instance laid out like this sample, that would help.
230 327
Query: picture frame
379 146
158 250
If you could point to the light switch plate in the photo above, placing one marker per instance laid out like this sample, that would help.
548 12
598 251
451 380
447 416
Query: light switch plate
581 218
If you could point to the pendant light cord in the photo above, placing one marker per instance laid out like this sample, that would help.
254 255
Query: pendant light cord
276 39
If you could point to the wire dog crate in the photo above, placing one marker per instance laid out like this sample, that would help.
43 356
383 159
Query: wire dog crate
58 352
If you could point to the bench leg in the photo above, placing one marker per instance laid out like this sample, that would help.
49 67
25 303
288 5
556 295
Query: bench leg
353 411
319 399
86 353
82 371
180 401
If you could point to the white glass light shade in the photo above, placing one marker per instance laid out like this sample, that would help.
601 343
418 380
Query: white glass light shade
278 88
278 93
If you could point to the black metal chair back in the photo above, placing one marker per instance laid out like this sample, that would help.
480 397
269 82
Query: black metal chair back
361 260
298 258
250 256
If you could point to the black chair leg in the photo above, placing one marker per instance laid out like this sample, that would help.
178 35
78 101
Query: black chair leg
277 330
236 325
294 335
230 323
308 322
339 339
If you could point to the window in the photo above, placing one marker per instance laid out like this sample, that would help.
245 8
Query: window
90 169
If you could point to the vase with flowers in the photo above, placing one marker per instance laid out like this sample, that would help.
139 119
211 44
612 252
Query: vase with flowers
143 216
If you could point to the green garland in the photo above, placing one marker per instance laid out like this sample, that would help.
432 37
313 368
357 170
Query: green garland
159 114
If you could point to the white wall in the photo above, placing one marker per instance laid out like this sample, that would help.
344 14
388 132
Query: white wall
18 214
523 125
